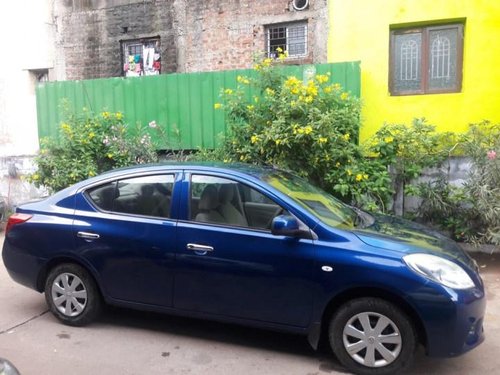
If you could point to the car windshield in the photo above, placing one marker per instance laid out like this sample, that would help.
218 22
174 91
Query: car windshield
321 204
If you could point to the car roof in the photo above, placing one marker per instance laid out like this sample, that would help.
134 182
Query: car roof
238 169
249 169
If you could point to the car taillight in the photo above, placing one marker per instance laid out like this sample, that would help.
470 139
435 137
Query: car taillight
16 219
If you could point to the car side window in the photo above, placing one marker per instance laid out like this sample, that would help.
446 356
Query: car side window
147 196
224 201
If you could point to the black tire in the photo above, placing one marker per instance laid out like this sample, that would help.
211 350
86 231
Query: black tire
366 357
72 295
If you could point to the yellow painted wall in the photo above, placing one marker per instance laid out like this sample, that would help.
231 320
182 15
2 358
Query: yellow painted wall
359 30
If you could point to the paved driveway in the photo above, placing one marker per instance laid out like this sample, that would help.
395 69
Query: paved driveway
128 342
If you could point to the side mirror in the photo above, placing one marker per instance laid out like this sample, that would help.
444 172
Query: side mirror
287 225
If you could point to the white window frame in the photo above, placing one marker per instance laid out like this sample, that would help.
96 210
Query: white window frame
286 46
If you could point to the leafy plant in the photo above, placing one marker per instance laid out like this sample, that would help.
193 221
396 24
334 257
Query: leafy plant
470 212
408 150
90 144
308 125
482 144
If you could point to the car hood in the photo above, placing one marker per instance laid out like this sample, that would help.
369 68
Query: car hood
393 233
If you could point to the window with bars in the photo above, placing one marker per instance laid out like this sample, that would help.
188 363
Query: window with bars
291 38
141 57
426 60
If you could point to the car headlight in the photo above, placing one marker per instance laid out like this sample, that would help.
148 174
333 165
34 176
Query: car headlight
440 270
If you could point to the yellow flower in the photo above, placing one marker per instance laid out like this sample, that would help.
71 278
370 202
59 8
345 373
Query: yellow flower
365 176
346 136
91 174
36 177
322 78
344 96
359 177
91 135
257 67
312 89
300 130
294 91
328 89
292 81
65 127
109 155
322 140
267 62
279 49
105 114
243 80
293 103
388 139
226 160
217 106
349 172
250 107
308 129
270 91
278 141
119 115
308 99
254 139
283 56
228 91
337 164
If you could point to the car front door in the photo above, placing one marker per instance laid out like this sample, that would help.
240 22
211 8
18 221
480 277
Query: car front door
126 231
228 262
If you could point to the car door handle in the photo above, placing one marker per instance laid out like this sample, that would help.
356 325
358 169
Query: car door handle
196 247
88 236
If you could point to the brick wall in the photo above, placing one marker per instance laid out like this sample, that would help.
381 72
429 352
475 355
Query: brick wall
226 34
89 34
195 35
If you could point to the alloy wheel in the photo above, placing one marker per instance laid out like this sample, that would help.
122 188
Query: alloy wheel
69 294
372 339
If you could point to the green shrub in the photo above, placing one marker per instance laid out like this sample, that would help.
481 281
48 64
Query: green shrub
90 144
308 126
482 144
408 150
470 212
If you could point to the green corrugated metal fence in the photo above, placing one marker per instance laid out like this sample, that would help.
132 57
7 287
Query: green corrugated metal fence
175 101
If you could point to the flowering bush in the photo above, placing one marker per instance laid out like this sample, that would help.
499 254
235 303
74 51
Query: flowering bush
482 144
88 145
310 126
470 212
407 150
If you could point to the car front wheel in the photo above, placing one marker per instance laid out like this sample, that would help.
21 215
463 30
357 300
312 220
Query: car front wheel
72 295
371 336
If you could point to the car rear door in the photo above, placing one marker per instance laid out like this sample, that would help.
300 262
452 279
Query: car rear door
240 271
125 229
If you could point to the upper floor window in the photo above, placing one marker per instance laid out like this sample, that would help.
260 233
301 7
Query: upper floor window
141 57
291 38
426 60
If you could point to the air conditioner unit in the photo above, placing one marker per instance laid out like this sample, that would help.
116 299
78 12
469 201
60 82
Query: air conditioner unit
300 4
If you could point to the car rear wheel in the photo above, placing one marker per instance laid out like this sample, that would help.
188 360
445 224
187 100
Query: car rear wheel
72 295
372 336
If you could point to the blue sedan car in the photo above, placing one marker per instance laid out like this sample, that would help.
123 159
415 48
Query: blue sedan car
254 246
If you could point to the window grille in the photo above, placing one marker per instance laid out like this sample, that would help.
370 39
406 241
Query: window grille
291 38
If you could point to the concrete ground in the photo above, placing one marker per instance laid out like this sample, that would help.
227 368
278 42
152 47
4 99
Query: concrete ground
129 342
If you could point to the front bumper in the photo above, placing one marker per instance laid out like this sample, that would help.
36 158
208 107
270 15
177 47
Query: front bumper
453 321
